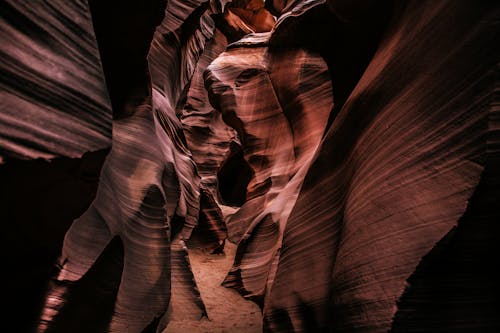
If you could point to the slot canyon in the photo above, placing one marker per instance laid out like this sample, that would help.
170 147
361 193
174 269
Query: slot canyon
250 166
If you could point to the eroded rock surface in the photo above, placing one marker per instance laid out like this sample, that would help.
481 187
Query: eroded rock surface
393 175
148 193
356 144
53 96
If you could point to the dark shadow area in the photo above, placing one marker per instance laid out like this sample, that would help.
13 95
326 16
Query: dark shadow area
124 30
456 286
90 301
233 177
346 46
210 232
38 202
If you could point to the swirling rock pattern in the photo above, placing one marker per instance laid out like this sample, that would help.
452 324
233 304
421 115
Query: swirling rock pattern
208 137
342 211
267 98
53 97
149 191
393 175
148 194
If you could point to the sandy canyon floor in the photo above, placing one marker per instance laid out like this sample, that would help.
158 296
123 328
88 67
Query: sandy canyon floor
228 312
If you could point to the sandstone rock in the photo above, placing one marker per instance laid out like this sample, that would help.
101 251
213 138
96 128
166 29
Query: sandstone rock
393 175
53 96
348 215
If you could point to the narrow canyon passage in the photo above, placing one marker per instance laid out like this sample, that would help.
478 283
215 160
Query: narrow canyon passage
346 153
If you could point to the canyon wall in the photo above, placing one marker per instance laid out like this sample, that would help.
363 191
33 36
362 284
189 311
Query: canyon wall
349 149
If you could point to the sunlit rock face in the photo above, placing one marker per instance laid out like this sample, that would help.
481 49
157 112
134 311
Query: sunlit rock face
356 144
266 96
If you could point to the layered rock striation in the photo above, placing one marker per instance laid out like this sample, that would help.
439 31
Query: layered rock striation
350 150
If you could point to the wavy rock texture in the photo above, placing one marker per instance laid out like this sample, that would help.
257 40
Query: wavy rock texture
393 175
147 179
148 194
454 287
208 137
149 191
267 98
53 97
372 214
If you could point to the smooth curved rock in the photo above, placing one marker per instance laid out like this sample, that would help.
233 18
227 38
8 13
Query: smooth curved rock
147 179
267 98
149 191
348 215
394 173
208 137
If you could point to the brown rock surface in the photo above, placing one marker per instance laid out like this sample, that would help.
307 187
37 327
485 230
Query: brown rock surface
148 185
374 213
52 91
393 175
265 96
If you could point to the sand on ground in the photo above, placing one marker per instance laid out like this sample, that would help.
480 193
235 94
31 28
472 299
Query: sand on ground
227 310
